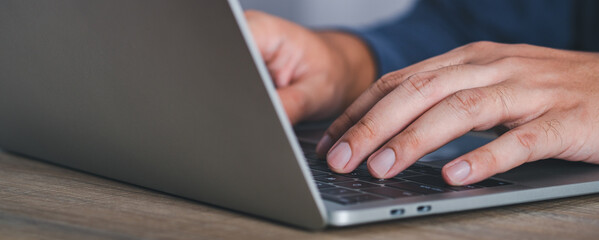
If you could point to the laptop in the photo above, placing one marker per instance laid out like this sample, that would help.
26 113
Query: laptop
174 96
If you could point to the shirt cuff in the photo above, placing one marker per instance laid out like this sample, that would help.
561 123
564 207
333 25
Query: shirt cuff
383 51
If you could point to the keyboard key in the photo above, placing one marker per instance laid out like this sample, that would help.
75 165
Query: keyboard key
430 180
427 170
318 173
356 174
323 168
419 188
463 188
363 198
492 183
308 147
357 185
333 179
340 200
362 167
366 174
371 179
316 162
390 192
322 185
311 156
339 191
407 173
415 166
439 182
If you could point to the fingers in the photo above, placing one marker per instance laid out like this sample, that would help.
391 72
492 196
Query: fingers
293 101
478 53
423 110
300 100
402 106
463 111
270 34
378 90
282 57
284 64
538 139
261 26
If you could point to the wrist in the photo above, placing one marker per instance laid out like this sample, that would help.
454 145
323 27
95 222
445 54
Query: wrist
358 68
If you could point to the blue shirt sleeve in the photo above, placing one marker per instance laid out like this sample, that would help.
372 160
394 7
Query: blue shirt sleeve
434 27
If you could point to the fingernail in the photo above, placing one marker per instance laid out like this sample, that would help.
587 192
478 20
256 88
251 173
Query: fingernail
458 172
339 156
324 144
382 162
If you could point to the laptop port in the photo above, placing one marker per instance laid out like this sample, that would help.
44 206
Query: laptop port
397 212
424 208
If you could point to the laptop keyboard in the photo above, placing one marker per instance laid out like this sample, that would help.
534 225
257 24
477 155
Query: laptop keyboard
359 186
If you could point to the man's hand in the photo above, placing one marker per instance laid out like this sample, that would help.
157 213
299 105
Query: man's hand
549 99
317 75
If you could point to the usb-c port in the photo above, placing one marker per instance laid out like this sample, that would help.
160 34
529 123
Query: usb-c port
424 208
397 212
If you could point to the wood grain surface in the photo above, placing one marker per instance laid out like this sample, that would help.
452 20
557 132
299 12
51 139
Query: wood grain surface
39 200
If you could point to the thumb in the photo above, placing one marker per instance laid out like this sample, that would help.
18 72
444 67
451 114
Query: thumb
303 99
274 38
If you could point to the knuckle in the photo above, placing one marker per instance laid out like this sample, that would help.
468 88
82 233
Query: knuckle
365 128
391 76
490 161
510 61
411 139
419 83
504 98
467 103
478 46
526 140
388 82
454 68
523 45
484 44
551 128
346 118
343 122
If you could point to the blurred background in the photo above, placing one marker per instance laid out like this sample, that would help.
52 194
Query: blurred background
330 13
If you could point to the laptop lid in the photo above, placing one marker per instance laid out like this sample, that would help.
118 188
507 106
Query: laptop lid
162 94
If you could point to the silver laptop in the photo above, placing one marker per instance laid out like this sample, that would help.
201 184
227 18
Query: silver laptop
173 96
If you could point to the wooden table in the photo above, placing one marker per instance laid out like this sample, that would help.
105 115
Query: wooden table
43 201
